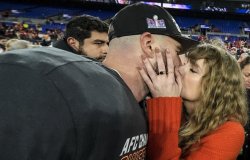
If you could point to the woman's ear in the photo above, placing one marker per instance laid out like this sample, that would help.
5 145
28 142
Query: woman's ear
146 41
73 43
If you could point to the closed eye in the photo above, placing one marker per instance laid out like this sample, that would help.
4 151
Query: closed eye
192 70
247 75
100 42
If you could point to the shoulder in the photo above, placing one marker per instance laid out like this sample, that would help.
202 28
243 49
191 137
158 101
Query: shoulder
223 143
41 59
228 130
229 136
231 128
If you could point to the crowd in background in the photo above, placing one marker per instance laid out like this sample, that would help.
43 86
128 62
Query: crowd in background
35 36
20 35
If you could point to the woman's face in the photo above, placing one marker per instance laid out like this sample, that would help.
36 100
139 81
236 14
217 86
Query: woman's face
246 75
191 75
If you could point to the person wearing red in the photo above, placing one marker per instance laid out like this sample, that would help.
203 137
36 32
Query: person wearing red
198 110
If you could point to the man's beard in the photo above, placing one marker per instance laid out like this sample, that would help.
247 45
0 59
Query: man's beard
81 51
101 58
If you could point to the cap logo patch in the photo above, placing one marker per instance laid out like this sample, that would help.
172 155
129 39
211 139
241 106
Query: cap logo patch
155 23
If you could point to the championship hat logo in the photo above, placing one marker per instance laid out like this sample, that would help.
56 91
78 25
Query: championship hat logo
155 23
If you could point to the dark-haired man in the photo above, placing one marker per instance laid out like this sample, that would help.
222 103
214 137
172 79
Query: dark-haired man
85 35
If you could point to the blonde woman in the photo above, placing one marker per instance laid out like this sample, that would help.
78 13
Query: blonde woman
207 95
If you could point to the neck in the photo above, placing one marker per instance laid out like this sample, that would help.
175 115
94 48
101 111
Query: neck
127 69
190 106
135 83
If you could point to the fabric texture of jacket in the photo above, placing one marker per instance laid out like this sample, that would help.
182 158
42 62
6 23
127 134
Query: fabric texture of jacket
61 44
56 105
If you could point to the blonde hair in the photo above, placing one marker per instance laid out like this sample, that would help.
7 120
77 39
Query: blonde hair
223 96
218 42
14 44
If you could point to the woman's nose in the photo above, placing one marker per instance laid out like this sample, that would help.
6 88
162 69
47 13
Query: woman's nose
183 59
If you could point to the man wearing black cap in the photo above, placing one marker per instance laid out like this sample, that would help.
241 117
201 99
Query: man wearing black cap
60 106
136 31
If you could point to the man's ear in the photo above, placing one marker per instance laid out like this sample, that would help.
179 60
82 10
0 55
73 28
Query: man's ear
146 41
73 43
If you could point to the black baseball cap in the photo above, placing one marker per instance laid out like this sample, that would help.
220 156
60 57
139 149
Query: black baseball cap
138 18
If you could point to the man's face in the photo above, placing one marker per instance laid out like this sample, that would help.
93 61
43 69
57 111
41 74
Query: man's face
246 75
96 46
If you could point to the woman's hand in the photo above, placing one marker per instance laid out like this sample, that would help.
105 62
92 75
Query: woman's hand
165 83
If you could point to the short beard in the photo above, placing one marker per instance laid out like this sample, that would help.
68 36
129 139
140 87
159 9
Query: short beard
81 50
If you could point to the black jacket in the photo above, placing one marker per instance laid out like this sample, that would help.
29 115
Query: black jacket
60 106
61 44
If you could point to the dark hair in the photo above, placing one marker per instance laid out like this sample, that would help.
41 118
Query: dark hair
245 62
81 27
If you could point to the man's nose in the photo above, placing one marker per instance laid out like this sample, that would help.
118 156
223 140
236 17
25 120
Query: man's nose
105 49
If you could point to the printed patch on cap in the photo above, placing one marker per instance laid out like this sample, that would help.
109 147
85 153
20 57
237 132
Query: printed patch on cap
155 23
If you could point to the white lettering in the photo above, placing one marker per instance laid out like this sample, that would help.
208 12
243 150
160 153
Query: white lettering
143 140
131 144
125 147
135 143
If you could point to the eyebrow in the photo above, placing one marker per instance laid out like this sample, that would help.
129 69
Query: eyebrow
100 41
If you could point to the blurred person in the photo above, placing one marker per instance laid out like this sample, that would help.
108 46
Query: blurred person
56 105
233 52
46 40
214 113
242 57
85 35
2 48
218 42
3 39
2 43
14 44
245 69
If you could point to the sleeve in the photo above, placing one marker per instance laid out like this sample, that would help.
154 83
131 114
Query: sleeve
164 122
224 143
